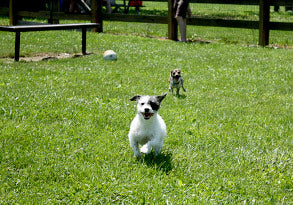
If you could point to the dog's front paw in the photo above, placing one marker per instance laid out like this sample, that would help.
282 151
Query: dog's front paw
145 149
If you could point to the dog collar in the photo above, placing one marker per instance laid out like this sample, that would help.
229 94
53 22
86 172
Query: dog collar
176 83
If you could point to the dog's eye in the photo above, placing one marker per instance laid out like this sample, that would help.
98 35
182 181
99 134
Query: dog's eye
142 103
155 106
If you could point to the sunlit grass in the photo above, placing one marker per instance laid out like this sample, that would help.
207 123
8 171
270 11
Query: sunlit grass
64 123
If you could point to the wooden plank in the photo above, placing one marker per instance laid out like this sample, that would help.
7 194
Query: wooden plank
264 20
34 14
54 4
83 41
172 23
237 2
17 46
281 26
73 16
136 18
223 23
57 15
12 13
4 11
94 17
100 15
97 14
155 0
281 2
47 27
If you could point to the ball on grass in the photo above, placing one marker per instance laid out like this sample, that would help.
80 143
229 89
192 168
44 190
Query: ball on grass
110 55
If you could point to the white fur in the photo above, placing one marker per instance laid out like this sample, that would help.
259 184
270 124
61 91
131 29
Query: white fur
110 55
149 133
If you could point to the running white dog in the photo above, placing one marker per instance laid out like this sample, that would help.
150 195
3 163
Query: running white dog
147 128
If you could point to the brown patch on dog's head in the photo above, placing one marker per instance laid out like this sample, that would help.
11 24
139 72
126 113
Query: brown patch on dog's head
176 74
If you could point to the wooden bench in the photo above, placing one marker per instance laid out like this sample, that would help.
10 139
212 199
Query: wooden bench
47 27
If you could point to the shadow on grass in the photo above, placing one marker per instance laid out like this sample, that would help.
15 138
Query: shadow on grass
180 96
161 162
192 40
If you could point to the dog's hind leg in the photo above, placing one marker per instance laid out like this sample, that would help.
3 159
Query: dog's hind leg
177 91
157 150
157 146
182 85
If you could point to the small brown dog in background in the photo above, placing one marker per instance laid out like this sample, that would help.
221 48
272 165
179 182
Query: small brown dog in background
176 81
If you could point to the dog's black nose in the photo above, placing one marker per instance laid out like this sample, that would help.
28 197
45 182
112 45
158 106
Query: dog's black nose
146 110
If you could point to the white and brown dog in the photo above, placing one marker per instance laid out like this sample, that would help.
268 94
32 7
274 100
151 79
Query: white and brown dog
147 129
176 81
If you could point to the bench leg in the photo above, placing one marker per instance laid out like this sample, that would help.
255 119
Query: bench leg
17 46
83 41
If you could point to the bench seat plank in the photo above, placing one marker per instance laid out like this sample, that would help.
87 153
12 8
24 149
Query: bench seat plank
47 27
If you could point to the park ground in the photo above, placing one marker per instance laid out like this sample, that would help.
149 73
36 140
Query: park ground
64 121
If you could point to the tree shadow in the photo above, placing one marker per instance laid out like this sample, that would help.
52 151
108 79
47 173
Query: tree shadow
161 162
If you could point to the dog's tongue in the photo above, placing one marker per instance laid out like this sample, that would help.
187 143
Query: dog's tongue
147 115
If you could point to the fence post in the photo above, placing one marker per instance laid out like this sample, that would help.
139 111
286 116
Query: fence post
264 21
12 13
172 23
97 15
54 7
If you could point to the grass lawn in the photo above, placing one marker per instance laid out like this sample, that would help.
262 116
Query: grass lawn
64 123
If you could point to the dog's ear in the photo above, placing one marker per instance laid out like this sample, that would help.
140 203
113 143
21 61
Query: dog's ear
135 98
161 97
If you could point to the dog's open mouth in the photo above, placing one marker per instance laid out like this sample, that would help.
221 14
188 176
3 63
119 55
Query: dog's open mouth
147 115
177 77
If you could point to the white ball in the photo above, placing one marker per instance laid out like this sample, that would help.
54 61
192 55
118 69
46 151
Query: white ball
110 55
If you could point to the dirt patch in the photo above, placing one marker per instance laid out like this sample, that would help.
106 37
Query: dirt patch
46 57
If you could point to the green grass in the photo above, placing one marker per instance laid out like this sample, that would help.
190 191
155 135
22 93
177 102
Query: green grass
64 123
